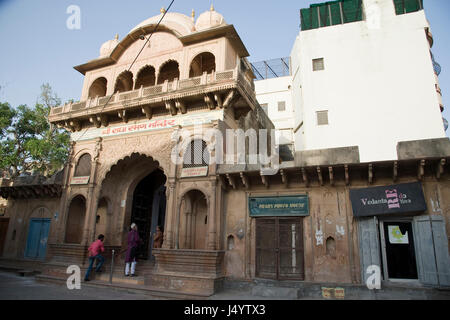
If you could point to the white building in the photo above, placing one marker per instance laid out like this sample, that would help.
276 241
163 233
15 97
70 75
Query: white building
273 87
369 83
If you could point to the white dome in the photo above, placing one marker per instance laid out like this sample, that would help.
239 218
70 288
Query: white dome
108 47
209 19
177 22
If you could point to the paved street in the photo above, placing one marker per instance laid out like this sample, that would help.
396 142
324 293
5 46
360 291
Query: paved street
15 287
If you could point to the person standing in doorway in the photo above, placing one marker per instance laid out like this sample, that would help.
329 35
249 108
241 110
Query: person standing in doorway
158 240
94 254
131 256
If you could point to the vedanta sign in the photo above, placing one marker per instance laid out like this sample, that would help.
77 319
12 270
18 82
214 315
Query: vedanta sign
402 198
287 206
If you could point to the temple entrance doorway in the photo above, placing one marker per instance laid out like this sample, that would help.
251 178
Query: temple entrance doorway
149 210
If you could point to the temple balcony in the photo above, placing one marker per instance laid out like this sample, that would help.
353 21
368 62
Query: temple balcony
227 89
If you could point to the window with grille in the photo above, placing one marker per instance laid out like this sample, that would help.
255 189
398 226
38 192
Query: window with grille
318 64
322 118
83 166
196 155
282 106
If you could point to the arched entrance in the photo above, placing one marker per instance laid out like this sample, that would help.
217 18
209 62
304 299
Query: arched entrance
194 221
149 209
75 220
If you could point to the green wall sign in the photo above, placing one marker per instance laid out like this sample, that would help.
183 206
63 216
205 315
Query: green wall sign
287 206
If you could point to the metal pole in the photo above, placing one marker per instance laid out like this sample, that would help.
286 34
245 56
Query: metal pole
112 267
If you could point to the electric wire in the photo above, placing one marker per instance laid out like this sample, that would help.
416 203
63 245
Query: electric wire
134 61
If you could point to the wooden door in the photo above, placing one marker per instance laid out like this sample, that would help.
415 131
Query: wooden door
36 247
279 248
4 222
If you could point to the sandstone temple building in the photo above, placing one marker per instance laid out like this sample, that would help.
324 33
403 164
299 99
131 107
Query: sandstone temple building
323 217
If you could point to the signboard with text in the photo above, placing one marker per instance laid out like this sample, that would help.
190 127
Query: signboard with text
284 206
402 198
194 172
80 180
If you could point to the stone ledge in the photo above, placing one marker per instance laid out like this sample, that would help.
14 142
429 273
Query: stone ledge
422 149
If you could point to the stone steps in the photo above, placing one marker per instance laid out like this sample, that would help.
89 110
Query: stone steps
129 287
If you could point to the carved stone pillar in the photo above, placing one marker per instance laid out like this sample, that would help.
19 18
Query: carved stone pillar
168 241
63 206
92 201
212 218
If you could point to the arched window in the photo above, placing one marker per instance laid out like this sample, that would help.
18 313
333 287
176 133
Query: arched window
146 77
196 154
83 168
75 220
98 88
168 71
124 82
204 62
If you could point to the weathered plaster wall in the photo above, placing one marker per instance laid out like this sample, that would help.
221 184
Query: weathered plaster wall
20 212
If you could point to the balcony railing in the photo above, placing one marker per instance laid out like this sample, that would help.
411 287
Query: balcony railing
167 87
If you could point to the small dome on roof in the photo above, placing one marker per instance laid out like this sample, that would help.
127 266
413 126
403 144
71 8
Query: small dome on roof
109 46
209 19
179 23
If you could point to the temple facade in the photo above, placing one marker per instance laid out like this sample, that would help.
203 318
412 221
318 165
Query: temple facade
322 217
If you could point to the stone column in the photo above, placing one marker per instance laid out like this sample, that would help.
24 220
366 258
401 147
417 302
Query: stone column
212 218
62 216
91 201
168 241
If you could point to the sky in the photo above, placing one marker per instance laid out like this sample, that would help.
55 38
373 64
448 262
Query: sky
37 46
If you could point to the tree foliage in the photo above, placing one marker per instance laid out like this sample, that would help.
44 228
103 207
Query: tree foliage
28 142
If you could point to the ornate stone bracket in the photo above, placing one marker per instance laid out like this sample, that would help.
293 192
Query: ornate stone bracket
179 104
421 170
170 105
245 180
148 112
123 114
440 168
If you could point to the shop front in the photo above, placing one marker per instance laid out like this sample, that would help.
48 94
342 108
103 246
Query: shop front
279 236
397 234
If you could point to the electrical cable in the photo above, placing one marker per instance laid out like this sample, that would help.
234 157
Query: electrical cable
135 59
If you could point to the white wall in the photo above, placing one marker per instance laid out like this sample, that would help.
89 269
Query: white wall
378 84
272 91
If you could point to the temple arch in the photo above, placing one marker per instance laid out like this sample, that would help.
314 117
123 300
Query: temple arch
169 71
146 77
98 88
124 82
194 219
75 220
203 62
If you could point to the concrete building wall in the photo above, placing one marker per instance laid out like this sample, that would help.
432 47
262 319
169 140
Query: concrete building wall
378 83
270 92
331 216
